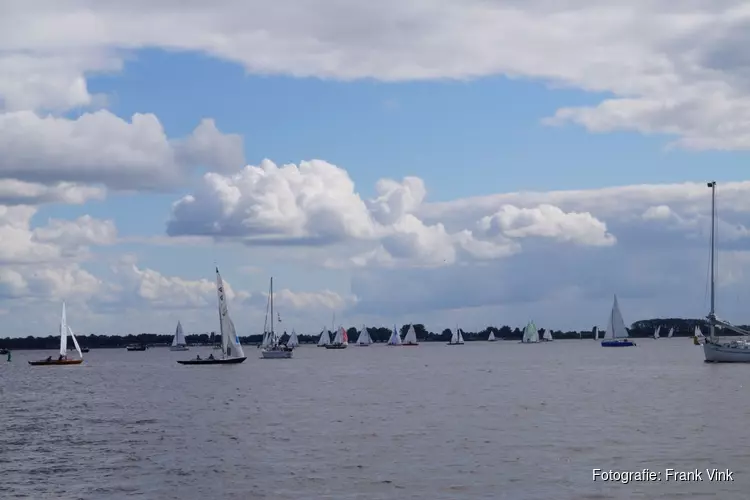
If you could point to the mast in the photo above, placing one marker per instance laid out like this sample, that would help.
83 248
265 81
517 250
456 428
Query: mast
221 319
712 313
273 335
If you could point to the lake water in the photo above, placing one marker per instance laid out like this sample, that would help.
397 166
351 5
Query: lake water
484 420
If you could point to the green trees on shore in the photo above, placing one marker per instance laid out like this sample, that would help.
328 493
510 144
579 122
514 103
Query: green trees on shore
642 328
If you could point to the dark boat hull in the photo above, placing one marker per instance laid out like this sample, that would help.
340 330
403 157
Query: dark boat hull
230 361
136 348
56 362
337 346
456 343
617 343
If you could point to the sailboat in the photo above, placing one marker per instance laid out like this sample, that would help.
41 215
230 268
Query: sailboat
530 334
364 338
410 339
325 338
698 337
395 338
178 342
63 358
231 349
340 341
293 340
671 331
714 349
272 349
491 338
547 337
656 332
456 337
616 334
596 333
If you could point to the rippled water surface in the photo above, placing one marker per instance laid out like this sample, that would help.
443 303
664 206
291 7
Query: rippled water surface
484 420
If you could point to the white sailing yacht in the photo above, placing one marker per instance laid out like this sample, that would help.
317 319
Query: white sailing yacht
716 350
231 349
293 340
411 337
178 341
395 338
671 331
340 341
698 337
616 334
325 338
491 338
364 338
530 334
275 350
656 332
63 358
457 337
547 337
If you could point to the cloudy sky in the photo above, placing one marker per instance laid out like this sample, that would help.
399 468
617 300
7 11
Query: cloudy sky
476 162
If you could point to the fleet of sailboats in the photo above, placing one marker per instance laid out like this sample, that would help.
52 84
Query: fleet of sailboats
63 358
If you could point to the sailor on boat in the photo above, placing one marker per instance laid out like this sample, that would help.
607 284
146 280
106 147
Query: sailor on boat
210 356
49 358
198 357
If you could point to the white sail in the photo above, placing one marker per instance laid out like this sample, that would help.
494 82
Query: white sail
75 342
395 338
460 337
656 332
411 336
63 332
293 340
671 331
230 342
364 337
698 332
616 326
547 334
179 336
325 337
491 338
341 337
530 333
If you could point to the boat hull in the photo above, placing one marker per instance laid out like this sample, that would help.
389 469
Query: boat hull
276 354
617 343
56 362
179 348
717 353
136 348
410 345
454 343
228 361
337 346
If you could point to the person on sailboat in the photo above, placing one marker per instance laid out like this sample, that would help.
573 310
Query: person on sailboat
49 358
61 357
211 356
198 357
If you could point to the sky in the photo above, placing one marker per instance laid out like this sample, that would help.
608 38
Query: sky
464 163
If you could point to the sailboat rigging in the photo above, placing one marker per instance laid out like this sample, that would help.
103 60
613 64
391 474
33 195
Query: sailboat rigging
273 349
714 349
63 358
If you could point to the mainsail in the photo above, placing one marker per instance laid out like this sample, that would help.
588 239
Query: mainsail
395 338
616 327
230 342
179 336
293 340
530 334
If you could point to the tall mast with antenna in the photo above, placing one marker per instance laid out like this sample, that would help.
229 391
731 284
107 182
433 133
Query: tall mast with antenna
712 313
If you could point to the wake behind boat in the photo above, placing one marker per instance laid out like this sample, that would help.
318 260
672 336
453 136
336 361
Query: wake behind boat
63 358
616 334
231 349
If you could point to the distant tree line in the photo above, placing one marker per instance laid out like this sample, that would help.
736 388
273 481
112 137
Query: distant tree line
639 329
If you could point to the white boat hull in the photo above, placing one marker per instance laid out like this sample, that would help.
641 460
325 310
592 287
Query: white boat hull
726 353
179 348
276 354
